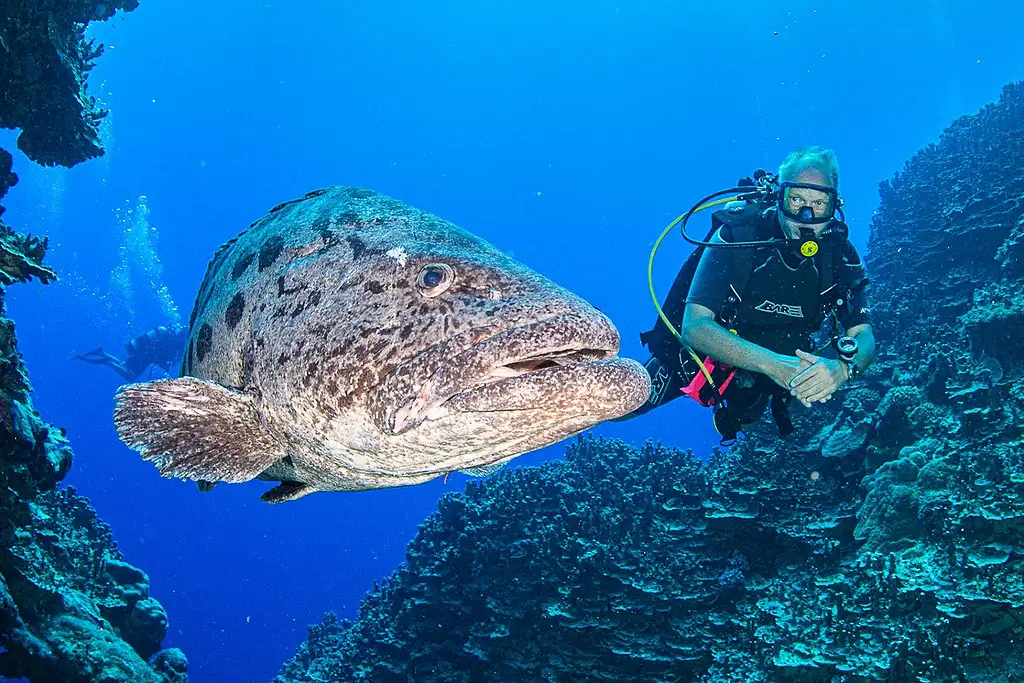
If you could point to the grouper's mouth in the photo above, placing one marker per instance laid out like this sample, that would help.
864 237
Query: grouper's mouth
603 388
566 364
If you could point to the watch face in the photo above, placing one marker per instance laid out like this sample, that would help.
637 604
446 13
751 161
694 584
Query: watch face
847 344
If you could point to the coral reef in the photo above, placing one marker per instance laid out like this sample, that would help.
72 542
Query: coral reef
881 542
646 565
45 61
21 256
71 609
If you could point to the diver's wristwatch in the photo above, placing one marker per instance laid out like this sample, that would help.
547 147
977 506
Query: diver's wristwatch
847 348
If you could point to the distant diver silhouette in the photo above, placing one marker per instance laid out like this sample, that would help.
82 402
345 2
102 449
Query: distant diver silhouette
161 346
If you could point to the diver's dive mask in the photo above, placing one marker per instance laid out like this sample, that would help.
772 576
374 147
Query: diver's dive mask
808 203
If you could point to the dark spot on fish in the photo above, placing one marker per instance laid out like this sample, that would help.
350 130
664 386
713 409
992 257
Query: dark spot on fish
349 217
359 193
282 359
357 245
259 342
282 290
350 283
374 287
242 265
328 236
263 306
406 331
246 366
270 250
233 315
201 304
204 342
424 309
312 300
402 284
212 273
366 332
322 225
311 370
332 387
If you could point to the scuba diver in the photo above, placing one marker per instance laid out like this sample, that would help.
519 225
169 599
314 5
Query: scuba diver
736 328
161 346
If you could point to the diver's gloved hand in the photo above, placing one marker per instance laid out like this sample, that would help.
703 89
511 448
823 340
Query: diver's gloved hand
819 380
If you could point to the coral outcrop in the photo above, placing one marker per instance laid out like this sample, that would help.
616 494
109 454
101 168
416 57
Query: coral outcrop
45 61
71 609
880 542
21 256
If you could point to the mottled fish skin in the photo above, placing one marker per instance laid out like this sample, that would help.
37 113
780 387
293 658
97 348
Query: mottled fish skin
364 374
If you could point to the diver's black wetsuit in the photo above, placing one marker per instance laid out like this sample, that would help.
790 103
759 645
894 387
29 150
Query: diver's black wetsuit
161 346
770 297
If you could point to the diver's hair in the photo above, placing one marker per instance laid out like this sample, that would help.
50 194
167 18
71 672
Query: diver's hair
818 158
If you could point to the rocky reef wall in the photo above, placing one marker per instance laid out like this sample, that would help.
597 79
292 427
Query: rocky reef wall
71 609
881 542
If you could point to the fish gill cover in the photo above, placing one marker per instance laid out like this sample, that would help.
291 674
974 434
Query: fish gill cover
882 543
71 609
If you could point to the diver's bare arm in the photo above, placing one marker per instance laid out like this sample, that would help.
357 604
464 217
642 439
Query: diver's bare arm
703 334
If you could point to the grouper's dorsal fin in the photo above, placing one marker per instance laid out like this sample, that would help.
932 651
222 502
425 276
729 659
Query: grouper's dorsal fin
218 256
211 268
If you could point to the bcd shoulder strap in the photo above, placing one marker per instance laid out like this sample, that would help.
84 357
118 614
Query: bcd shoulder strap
740 223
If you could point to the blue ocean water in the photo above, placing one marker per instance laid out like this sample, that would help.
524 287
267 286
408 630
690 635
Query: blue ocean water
566 133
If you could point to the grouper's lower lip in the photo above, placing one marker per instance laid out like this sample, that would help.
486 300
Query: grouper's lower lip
600 389
562 341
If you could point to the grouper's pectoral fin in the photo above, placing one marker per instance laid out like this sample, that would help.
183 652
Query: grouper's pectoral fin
195 429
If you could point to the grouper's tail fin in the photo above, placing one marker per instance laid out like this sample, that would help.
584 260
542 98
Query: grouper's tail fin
195 429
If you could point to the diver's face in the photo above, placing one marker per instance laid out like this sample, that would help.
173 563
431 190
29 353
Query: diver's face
798 197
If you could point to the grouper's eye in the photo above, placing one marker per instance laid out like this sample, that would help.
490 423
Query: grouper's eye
435 279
